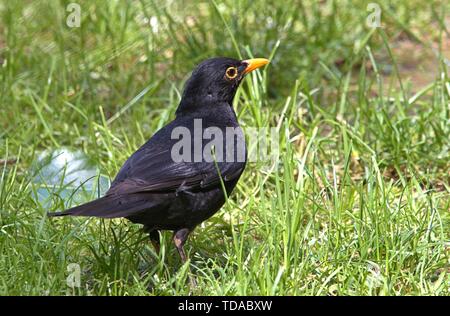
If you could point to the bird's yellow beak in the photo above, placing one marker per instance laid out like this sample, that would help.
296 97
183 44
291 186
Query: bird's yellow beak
254 63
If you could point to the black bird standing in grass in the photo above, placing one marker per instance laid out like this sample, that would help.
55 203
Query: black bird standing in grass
163 192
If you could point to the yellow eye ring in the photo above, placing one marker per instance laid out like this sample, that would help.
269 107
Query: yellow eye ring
231 72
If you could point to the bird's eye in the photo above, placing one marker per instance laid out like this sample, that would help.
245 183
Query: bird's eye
231 72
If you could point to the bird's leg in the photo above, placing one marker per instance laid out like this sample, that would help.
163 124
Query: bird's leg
154 238
179 238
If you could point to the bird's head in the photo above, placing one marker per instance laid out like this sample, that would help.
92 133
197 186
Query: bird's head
216 80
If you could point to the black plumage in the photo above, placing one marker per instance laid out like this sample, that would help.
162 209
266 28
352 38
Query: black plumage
162 193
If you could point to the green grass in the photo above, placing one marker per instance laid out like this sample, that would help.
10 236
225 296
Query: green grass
357 205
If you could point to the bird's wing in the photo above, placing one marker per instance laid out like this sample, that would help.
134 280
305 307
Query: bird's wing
155 171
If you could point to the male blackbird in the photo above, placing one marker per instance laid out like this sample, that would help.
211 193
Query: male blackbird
173 182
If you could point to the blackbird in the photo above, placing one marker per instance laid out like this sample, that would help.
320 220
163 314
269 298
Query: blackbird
184 173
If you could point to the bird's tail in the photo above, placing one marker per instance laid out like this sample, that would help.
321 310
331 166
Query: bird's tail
105 207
